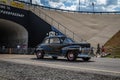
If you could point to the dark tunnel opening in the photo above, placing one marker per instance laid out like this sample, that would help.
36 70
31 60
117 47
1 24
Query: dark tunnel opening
12 34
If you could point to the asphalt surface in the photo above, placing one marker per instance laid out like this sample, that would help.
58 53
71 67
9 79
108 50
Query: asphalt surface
27 67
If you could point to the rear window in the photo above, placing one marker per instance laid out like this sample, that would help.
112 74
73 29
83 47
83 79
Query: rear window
54 40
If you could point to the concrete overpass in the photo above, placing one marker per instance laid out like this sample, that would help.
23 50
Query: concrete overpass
12 34
94 28
21 27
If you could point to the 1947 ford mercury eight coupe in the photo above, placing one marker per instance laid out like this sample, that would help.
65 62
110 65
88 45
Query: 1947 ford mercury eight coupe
60 45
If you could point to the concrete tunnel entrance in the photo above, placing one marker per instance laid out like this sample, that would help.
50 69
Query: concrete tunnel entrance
12 34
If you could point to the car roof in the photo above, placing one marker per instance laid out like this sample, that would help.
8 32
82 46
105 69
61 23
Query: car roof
56 36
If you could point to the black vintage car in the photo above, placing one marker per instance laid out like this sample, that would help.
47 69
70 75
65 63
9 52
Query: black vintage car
60 45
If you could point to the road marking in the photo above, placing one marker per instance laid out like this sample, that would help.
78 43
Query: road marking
58 66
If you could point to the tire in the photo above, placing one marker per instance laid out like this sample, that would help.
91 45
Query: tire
54 57
71 56
40 54
86 59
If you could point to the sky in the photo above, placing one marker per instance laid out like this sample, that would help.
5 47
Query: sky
82 5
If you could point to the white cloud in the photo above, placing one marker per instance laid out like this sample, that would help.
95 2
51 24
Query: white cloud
36 1
73 7
110 8
101 2
113 8
118 2
62 4
56 4
100 5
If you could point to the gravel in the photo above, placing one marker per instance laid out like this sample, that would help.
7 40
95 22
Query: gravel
13 71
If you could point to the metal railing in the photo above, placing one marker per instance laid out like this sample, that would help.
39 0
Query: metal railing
37 10
17 51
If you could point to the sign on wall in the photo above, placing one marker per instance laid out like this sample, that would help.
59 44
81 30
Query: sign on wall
11 11
3 1
17 5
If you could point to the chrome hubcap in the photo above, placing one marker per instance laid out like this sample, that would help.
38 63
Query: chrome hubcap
71 55
39 54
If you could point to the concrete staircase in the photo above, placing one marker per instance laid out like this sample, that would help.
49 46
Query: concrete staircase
94 28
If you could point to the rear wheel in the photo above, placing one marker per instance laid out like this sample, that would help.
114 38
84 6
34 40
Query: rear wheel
71 56
86 59
40 54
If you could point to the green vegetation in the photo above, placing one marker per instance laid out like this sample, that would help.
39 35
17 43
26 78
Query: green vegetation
113 46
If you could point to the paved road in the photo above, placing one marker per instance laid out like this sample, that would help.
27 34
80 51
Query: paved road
95 65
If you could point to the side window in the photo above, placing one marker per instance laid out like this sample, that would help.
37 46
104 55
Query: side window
46 41
67 40
54 40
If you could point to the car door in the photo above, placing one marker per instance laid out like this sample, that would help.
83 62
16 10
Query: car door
46 46
55 45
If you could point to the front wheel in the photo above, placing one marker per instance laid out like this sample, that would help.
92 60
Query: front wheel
40 54
71 56
86 59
